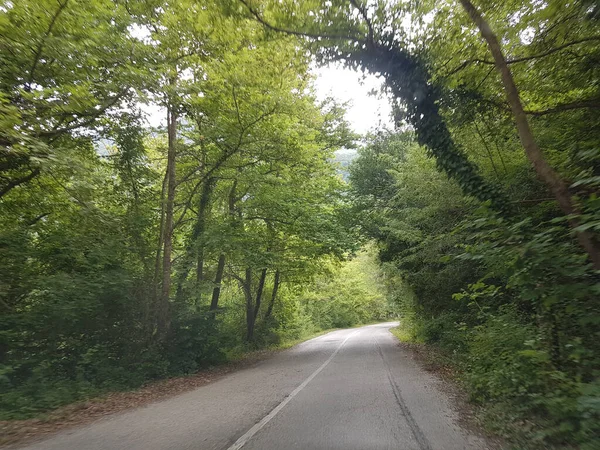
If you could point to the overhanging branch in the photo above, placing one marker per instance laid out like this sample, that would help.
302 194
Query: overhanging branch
269 25
468 62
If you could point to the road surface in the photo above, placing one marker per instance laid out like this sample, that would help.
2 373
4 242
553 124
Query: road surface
352 389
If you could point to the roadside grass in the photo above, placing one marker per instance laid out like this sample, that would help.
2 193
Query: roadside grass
401 333
432 358
438 361
244 353
499 421
240 353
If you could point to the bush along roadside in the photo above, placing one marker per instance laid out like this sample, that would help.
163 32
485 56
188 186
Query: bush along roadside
345 294
510 304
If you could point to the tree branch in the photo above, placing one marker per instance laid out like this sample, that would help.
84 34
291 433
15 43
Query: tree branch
37 219
592 103
93 117
581 104
552 50
260 19
40 48
468 62
362 9
19 181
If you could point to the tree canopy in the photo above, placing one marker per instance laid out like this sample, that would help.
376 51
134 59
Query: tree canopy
130 252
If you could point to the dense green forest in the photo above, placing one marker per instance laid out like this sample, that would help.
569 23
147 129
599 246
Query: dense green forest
130 253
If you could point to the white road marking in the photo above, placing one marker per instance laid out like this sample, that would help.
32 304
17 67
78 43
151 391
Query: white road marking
243 440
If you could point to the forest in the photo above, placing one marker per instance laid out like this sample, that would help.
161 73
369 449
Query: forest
131 253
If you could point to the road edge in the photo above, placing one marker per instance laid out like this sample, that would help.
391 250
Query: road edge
17 433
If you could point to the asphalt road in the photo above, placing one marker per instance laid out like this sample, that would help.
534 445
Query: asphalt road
349 389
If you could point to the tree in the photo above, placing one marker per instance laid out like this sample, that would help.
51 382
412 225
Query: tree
46 99
372 38
114 233
373 45
543 169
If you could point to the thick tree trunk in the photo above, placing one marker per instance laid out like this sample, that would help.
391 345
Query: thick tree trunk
214 303
203 209
273 294
150 312
195 247
259 292
247 288
161 235
545 172
163 321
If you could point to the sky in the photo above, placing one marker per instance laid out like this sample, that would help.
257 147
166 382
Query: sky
364 110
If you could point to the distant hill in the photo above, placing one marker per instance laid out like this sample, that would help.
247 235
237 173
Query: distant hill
342 160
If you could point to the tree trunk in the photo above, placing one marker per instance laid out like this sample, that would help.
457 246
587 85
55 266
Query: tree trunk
231 200
544 171
247 288
150 312
163 321
195 246
259 292
161 235
273 294
200 228
200 267
214 303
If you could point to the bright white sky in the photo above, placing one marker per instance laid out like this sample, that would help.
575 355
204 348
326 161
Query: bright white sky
364 110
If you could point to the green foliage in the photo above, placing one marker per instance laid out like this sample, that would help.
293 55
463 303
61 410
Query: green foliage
511 303
257 251
353 295
372 37
83 194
